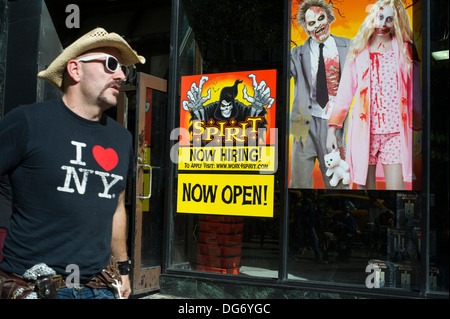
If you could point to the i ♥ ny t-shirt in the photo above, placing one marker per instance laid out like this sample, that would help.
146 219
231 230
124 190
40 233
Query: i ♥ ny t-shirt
66 174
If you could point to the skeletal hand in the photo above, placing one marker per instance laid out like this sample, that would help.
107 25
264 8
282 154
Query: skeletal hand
261 96
196 101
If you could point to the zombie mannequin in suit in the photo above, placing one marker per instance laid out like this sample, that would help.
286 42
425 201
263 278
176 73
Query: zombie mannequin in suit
309 114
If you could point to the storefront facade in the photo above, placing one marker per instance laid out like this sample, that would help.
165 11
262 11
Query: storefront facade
214 210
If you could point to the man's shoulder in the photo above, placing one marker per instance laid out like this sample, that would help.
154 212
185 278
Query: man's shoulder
37 107
32 111
44 104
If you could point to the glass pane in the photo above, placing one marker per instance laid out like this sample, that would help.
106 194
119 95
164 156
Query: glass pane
228 245
440 137
153 209
338 232
335 235
220 37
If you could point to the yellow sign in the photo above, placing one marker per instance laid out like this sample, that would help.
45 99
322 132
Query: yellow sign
229 134
226 194
231 158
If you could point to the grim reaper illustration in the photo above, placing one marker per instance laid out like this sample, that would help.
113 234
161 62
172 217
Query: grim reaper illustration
228 108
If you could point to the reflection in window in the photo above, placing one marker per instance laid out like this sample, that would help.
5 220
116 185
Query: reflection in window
219 37
335 235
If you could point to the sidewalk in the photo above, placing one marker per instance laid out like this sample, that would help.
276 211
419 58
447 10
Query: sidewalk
158 295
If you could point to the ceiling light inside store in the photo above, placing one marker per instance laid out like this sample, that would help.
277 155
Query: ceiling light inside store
440 55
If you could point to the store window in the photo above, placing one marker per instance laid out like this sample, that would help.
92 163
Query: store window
364 214
228 210
336 235
363 224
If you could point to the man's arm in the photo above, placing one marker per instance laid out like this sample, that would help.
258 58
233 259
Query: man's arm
119 243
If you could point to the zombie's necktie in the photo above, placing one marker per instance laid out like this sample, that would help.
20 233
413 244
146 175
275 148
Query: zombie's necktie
321 87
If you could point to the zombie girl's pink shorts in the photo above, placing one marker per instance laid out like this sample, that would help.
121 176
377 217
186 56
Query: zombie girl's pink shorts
385 149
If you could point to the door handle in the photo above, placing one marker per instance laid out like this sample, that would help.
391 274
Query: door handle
149 179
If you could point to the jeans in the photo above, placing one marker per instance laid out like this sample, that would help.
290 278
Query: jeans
84 292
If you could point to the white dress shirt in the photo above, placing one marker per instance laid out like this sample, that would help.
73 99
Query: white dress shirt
330 52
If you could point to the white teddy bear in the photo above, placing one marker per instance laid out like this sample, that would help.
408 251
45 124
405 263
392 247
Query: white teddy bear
337 167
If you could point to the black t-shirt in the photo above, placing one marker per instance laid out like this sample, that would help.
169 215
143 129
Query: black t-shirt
66 175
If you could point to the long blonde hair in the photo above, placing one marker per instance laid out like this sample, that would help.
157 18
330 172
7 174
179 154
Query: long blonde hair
402 28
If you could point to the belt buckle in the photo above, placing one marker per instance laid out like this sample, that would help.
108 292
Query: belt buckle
58 281
46 287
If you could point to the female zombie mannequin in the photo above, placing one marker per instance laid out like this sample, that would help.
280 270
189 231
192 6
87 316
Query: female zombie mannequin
378 74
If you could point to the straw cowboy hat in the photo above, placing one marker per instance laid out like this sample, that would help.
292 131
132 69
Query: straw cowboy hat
94 39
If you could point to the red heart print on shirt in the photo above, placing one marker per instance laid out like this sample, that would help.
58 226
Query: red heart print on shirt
106 158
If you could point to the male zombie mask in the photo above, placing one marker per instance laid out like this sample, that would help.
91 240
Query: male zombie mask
384 22
317 24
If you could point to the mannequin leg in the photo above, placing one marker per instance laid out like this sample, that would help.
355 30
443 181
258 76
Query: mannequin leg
371 181
394 176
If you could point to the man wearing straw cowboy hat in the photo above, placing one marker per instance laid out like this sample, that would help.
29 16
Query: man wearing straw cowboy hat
68 164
